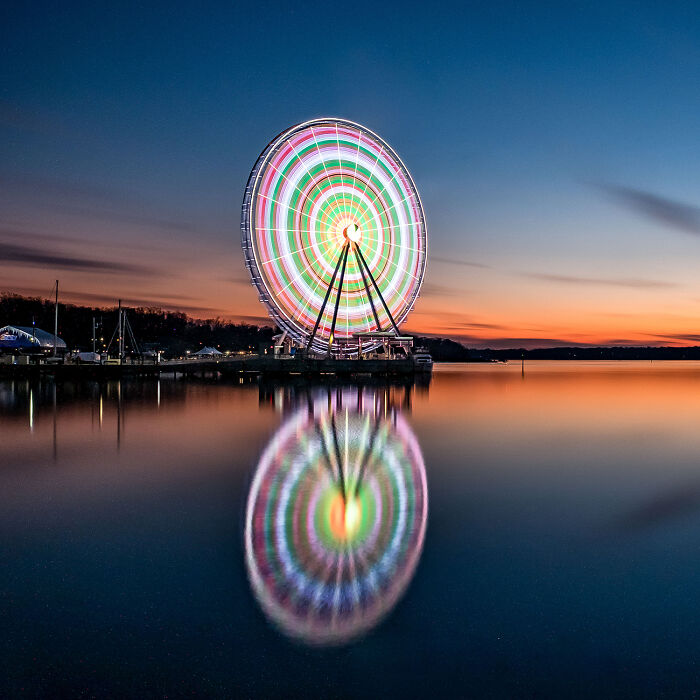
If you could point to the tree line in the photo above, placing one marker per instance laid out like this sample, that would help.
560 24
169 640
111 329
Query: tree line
175 333
171 331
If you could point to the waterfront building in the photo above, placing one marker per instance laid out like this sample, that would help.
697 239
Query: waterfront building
29 340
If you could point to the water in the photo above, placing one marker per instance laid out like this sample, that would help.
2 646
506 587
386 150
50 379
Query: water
552 550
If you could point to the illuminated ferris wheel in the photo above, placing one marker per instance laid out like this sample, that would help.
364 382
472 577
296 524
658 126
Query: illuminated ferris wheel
334 235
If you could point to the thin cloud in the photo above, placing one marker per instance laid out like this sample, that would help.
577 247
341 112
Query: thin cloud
108 301
693 337
447 321
91 202
503 342
474 326
172 300
124 218
439 290
24 255
629 343
453 261
515 343
630 282
53 187
680 502
669 212
14 234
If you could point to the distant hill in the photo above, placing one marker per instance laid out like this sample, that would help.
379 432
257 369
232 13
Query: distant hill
445 350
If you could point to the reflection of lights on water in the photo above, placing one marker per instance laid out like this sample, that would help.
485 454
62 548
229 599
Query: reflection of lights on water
31 410
335 521
345 516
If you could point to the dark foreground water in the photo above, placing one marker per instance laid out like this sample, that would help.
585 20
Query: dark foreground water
496 534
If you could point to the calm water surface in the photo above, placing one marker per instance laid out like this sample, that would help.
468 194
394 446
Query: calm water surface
499 533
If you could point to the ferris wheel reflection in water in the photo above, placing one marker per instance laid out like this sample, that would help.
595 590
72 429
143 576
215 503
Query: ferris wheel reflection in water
336 516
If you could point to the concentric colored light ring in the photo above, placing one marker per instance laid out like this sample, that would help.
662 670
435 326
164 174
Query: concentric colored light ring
310 183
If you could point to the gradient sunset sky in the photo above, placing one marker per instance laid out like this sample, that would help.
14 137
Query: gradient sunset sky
555 146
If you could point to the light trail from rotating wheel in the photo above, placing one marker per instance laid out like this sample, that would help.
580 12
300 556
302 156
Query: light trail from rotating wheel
335 522
333 234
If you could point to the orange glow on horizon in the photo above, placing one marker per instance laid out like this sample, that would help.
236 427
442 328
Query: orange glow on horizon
480 307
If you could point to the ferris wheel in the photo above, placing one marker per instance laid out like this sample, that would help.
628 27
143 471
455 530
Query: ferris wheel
334 235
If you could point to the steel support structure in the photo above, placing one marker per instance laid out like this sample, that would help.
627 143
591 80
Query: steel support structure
343 256
379 294
366 273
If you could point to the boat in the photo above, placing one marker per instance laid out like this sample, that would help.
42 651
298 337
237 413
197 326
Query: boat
423 359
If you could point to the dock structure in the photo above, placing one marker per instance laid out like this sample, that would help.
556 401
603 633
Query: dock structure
264 366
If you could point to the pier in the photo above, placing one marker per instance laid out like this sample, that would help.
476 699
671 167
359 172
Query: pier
241 365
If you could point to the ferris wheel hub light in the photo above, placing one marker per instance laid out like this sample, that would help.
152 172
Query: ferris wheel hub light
352 233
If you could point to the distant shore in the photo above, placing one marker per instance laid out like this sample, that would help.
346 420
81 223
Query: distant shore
175 333
594 353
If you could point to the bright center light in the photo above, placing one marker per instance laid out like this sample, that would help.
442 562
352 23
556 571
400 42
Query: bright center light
352 517
352 232
345 517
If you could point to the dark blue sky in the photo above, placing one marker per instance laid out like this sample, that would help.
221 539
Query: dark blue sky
555 145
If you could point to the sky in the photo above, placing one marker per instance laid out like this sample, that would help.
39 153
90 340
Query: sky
555 147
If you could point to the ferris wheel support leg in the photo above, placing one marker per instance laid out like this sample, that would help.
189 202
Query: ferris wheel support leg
379 294
337 298
369 293
325 299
